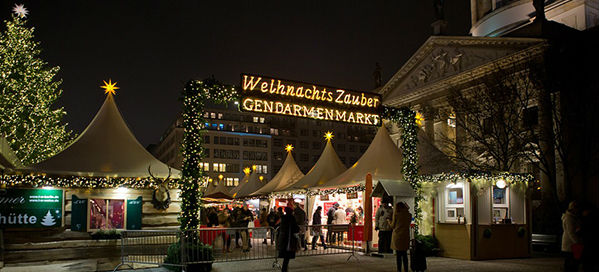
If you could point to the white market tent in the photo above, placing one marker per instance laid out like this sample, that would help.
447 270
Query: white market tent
326 168
106 148
287 176
248 186
218 191
383 161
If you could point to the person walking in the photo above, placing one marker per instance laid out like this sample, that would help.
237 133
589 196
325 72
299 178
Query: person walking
339 219
264 222
224 220
383 216
330 218
317 229
272 219
570 238
245 217
400 238
302 221
287 243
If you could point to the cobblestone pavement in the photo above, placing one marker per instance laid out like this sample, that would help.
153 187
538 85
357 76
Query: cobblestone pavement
545 263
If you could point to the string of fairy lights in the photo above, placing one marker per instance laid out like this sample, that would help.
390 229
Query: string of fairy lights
195 94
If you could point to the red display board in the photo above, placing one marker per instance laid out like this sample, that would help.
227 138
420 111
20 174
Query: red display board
357 231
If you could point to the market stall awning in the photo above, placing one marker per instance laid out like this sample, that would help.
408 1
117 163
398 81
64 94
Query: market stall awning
286 177
106 148
248 186
326 168
393 188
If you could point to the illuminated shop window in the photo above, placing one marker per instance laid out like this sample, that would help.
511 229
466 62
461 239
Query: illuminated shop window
500 204
106 214
454 201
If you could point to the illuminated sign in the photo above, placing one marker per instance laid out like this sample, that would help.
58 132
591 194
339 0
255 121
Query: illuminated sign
277 96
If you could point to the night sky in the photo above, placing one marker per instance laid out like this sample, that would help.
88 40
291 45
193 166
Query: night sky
151 48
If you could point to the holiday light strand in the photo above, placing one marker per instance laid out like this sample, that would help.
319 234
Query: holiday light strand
195 94
36 180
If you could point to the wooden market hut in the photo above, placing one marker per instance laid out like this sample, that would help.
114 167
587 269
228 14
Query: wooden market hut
105 179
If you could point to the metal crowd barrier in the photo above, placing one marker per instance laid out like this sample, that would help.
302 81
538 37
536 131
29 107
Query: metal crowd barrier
147 247
214 245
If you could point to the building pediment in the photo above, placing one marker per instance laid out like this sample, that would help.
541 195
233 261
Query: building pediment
443 57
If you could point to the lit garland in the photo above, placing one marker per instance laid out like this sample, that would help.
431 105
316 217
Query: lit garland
405 118
28 86
195 95
35 180
482 179
343 190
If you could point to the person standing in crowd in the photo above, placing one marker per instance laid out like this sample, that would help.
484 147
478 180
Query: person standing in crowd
317 229
383 217
339 219
400 238
264 222
570 237
224 220
360 214
212 217
245 217
272 219
236 223
302 221
286 243
330 218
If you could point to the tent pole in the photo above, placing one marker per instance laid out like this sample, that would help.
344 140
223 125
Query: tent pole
367 212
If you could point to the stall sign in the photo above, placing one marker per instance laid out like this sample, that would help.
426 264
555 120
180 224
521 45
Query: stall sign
270 95
31 208
78 214
352 195
134 210
324 197
327 206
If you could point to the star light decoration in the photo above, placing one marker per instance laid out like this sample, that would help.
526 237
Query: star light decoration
109 87
288 148
20 10
329 135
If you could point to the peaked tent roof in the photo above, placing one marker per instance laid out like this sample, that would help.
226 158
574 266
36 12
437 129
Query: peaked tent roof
326 168
286 177
218 191
383 160
253 184
106 148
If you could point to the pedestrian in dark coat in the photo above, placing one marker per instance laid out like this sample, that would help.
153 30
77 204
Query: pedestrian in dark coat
400 239
286 242
317 230
330 218
302 221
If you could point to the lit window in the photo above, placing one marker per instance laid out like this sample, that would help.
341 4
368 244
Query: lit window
212 115
222 167
256 119
236 181
215 167
454 201
262 120
220 116
264 169
500 204
106 214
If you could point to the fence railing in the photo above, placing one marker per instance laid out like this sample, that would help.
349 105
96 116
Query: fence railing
215 245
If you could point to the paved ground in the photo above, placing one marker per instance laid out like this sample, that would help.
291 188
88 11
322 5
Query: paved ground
546 263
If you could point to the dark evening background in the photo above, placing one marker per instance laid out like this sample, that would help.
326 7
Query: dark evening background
151 48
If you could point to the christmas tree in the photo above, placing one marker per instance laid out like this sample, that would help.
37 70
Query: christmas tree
48 220
27 91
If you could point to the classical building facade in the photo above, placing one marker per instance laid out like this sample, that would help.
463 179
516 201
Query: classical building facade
495 18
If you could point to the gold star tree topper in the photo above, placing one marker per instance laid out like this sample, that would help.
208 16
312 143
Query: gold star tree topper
109 87
328 135
20 10
289 147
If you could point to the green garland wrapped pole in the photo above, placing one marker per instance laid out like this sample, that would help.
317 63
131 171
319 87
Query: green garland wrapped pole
195 94
405 118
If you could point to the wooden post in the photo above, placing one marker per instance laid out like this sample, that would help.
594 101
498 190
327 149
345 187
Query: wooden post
367 212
